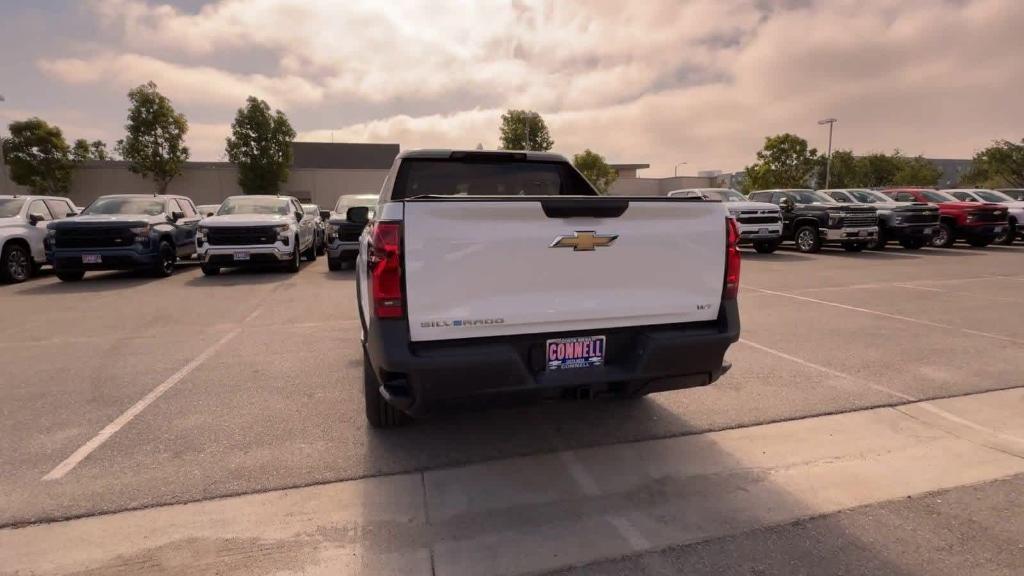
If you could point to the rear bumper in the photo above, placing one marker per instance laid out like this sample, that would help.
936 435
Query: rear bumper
419 376
110 259
339 249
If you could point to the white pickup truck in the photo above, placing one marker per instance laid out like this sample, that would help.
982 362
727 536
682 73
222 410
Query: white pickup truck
491 274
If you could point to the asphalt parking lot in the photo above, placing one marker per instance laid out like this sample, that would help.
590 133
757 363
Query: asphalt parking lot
124 392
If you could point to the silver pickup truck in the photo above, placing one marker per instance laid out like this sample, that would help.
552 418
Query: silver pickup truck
760 223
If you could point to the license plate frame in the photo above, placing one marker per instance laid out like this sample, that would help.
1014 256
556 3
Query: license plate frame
575 352
241 256
92 259
863 233
762 231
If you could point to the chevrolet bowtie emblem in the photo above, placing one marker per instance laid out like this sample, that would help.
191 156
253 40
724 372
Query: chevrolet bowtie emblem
584 240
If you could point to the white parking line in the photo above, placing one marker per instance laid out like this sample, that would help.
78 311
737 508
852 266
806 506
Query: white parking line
959 293
110 429
893 316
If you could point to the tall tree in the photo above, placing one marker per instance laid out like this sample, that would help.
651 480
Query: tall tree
524 130
596 170
155 142
916 171
844 171
1001 165
261 146
785 161
83 150
879 169
38 156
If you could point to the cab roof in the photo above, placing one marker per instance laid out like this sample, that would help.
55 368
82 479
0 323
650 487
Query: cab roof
447 153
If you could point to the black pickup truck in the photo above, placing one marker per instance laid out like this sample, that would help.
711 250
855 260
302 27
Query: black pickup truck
912 224
124 232
811 219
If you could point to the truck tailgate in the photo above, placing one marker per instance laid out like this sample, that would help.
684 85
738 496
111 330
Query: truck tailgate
478 268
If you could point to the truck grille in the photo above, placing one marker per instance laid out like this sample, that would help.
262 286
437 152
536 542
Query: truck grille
859 219
920 217
241 235
756 216
98 237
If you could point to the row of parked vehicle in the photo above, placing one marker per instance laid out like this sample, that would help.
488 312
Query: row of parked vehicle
858 218
154 232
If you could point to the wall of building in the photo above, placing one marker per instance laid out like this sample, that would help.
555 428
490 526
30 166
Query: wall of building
658 186
210 183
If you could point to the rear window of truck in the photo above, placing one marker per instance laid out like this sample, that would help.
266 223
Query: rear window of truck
478 177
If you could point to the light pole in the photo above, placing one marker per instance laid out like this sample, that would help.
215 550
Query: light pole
3 156
675 171
828 159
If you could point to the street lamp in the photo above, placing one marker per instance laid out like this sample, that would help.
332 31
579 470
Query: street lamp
3 156
828 159
675 171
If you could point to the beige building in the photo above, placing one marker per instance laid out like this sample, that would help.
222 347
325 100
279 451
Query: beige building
629 184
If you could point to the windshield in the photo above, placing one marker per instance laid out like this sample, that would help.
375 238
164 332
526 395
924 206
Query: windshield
346 202
993 196
482 177
10 206
869 196
809 197
730 195
936 196
243 205
122 205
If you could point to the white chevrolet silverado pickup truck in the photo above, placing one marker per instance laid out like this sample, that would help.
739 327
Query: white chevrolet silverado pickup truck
503 274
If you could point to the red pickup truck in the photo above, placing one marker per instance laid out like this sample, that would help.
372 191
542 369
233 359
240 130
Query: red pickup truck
977 223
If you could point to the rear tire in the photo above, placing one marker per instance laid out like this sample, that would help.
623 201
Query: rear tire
293 265
807 240
164 266
1008 235
209 270
15 263
912 243
766 246
70 275
310 253
944 237
379 413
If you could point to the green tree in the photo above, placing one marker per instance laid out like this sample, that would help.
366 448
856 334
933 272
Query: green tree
879 169
83 150
916 171
596 170
261 146
843 173
785 161
38 156
155 142
524 130
1001 165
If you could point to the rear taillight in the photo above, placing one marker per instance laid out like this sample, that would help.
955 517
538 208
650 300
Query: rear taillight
386 269
732 260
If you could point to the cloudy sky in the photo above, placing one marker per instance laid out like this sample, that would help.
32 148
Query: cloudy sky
652 81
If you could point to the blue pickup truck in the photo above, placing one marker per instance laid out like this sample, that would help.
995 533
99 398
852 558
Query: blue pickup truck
124 232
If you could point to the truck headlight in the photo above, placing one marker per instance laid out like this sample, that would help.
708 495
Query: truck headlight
201 232
140 234
834 219
283 233
332 230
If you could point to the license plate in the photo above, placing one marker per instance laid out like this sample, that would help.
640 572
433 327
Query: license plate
762 230
927 230
91 259
998 230
578 352
241 255
863 232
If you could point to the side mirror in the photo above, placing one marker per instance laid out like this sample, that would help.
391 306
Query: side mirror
786 204
358 215
298 216
177 215
208 214
35 218
325 214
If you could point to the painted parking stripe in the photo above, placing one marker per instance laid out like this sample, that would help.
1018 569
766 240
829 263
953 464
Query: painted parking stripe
959 293
888 315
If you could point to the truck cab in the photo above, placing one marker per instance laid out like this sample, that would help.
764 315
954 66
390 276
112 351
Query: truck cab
23 222
504 275
812 219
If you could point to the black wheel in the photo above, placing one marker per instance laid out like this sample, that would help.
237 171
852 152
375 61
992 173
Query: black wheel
310 253
333 264
765 246
853 247
979 242
70 275
210 270
1008 235
807 240
164 266
943 237
15 263
293 265
321 246
379 413
879 242
912 243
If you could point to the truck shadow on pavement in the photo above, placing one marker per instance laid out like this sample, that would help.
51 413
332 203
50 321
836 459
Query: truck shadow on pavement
93 282
243 276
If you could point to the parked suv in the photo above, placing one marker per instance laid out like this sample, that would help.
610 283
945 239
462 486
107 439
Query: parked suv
23 221
1015 209
979 224
910 223
343 229
811 219
254 230
124 232
760 223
